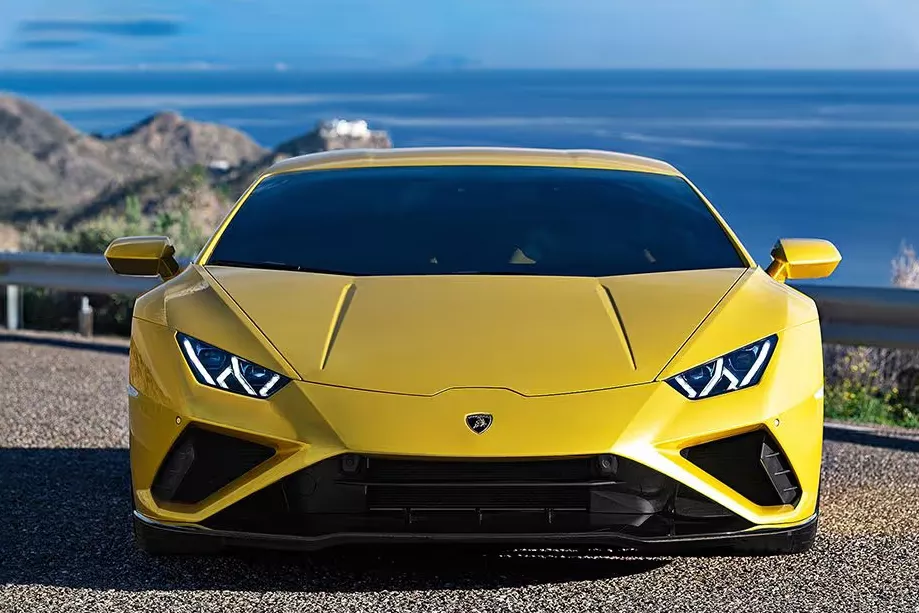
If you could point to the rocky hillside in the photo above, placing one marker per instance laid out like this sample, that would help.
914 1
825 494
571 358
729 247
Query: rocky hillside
48 167
52 171
168 141
212 190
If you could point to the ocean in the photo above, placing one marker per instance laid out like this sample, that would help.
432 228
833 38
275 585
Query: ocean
833 155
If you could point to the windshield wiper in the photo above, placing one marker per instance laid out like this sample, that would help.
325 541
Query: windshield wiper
270 266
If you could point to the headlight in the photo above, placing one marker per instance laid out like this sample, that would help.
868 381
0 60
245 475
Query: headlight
736 370
217 368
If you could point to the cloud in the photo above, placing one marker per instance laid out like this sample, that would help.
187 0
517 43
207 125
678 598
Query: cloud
53 41
53 44
137 27
121 102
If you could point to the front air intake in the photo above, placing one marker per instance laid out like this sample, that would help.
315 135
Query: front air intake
380 494
437 484
201 462
751 464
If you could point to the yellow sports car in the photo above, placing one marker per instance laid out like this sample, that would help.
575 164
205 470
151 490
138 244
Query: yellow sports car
494 346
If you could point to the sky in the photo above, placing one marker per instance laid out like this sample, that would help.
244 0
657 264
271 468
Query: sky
371 34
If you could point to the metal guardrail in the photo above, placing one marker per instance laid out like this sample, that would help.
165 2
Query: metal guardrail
73 272
879 317
870 316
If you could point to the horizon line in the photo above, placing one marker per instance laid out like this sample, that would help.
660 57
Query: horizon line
283 67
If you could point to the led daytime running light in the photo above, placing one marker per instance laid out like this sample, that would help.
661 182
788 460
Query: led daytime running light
737 370
228 372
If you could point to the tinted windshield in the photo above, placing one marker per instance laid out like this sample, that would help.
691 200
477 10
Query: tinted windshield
475 220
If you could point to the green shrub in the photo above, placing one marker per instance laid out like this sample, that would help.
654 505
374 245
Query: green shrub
851 401
94 235
54 310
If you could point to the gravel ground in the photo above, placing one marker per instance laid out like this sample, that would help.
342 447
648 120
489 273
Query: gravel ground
65 541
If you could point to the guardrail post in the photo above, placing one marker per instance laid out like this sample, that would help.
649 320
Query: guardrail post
85 318
13 307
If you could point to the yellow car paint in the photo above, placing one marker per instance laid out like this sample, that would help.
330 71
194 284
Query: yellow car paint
390 365
143 256
803 258
309 422
591 333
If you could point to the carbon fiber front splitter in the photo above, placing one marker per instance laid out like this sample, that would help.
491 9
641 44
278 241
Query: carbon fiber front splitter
166 538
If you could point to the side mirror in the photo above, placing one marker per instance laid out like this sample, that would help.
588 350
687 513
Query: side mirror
143 256
803 258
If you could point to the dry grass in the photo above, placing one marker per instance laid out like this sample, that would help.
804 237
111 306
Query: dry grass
9 238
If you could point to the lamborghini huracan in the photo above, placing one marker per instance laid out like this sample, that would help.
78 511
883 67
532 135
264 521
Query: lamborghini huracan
509 347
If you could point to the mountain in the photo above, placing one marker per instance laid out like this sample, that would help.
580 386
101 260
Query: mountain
50 171
48 168
174 142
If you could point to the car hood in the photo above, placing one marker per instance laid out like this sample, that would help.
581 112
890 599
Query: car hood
425 334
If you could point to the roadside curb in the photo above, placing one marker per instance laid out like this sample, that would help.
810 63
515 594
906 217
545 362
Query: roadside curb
874 436
69 340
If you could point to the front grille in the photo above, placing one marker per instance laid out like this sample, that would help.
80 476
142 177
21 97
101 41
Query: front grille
201 462
384 470
352 493
494 484
751 464
477 497
491 484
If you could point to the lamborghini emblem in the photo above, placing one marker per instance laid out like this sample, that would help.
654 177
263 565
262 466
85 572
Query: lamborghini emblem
479 422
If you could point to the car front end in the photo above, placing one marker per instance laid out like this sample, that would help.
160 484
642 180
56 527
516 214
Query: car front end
657 411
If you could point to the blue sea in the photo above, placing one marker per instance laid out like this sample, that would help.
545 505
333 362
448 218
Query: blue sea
781 154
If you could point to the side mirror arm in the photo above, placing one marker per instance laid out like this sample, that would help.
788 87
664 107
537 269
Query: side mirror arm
168 265
778 268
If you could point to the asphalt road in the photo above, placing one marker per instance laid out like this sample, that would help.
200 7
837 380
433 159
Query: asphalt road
65 540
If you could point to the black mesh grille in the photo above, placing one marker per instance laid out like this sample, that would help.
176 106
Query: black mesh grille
201 462
477 497
751 464
451 484
441 471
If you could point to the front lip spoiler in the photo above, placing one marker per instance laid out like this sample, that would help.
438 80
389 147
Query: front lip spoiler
669 545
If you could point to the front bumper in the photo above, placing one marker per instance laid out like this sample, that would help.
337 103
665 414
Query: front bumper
650 426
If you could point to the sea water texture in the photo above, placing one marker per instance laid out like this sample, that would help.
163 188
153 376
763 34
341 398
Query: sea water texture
782 154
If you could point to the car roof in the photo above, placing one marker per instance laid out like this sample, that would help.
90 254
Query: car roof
472 156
